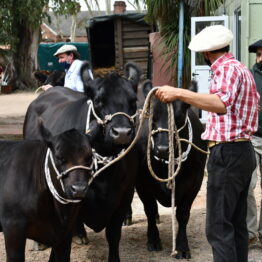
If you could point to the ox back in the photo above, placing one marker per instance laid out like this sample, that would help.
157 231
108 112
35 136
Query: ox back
27 207
187 182
114 101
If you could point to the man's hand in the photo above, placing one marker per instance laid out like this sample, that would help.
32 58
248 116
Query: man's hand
46 87
168 94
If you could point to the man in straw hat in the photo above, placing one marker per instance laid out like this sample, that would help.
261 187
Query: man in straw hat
68 58
232 103
253 224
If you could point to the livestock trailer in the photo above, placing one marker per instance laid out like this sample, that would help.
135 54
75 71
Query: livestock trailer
117 39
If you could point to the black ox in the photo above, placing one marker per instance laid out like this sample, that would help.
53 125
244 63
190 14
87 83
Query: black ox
28 209
114 101
188 180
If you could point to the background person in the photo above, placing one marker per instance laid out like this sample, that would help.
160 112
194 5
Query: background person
254 226
68 58
232 103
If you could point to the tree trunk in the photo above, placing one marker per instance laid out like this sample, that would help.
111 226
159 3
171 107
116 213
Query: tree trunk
108 7
23 61
73 28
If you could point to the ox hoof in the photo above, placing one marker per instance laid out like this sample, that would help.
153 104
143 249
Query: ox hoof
183 255
154 246
80 240
128 221
39 246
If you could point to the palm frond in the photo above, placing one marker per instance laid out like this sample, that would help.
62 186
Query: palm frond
165 13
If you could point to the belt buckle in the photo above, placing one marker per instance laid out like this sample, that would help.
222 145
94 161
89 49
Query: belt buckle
211 143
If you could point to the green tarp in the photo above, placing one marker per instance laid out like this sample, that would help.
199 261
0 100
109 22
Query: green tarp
47 60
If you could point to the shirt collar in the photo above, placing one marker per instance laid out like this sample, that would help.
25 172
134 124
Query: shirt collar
72 67
220 60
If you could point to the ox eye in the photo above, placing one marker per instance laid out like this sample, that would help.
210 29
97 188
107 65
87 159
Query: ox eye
98 103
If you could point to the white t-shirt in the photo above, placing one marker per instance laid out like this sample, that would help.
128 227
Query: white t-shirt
72 77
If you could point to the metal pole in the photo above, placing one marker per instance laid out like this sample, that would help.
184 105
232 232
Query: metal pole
180 44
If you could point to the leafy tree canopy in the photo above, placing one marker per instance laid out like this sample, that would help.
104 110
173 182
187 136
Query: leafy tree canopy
14 13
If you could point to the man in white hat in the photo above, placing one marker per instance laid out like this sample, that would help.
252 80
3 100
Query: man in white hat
232 103
68 58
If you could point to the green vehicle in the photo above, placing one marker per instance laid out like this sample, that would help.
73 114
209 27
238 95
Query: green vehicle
47 60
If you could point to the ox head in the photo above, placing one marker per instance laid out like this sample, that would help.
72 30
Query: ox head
114 100
72 155
160 121
55 78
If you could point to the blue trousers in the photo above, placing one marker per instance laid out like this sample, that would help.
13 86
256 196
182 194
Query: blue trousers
230 168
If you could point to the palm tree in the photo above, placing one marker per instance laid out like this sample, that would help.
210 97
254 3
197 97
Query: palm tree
165 13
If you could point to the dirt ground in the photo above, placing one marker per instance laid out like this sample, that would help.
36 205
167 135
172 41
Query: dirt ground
133 242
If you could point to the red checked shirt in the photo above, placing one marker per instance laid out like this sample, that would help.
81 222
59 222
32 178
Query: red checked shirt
235 86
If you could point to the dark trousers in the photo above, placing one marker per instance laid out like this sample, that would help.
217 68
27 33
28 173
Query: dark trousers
230 168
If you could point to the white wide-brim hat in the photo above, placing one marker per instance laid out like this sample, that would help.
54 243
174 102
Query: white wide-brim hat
64 49
211 38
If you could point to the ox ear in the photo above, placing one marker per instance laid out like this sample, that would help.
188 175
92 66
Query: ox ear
86 76
133 74
41 77
193 86
46 134
86 73
146 87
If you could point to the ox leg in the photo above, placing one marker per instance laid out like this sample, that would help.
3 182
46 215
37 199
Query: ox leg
128 217
113 235
151 210
184 201
61 252
113 230
15 240
182 247
80 235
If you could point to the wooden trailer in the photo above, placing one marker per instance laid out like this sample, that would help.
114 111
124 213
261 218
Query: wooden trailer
117 39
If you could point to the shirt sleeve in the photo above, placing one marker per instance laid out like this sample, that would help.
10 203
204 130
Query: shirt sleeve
225 84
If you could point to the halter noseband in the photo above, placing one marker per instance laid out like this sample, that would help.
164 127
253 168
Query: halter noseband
60 175
190 135
107 118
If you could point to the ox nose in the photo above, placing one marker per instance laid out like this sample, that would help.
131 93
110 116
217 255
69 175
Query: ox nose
162 151
78 190
121 135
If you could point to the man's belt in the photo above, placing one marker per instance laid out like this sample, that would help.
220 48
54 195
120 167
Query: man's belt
214 143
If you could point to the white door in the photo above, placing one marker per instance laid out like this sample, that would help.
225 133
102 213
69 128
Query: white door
200 70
